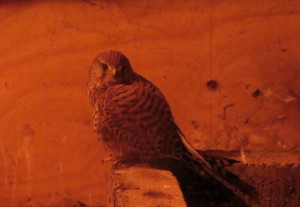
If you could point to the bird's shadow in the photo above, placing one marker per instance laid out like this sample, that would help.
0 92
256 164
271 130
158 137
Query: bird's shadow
201 191
204 191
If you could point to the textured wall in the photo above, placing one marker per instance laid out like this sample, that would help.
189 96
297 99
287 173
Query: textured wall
49 154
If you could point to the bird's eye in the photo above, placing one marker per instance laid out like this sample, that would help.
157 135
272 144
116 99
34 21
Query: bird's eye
104 66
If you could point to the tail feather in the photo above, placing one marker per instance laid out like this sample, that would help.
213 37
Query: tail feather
209 186
214 169
222 161
203 162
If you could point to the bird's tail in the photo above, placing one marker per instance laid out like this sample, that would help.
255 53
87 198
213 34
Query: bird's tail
214 171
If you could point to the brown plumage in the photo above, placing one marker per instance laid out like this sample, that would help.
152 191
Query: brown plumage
134 120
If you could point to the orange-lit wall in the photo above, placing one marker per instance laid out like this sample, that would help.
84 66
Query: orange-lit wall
49 154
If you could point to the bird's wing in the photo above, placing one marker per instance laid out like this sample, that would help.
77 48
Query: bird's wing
139 115
192 150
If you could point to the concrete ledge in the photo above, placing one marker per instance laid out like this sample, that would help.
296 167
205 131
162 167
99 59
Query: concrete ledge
277 185
276 178
140 186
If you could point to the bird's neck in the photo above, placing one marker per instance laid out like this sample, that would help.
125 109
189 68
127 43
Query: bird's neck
130 77
95 89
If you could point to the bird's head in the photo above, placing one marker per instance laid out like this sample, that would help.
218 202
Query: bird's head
109 68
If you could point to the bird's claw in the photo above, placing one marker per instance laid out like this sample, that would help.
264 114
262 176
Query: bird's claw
106 159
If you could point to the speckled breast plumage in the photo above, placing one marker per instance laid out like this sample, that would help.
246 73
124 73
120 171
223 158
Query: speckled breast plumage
135 120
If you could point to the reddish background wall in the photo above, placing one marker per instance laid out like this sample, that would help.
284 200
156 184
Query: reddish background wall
49 154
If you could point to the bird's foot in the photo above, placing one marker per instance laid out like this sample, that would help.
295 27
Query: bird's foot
124 162
116 165
111 158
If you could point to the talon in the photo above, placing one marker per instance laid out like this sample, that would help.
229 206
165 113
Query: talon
110 158
116 164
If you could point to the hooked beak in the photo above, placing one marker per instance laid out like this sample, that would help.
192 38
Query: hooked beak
112 71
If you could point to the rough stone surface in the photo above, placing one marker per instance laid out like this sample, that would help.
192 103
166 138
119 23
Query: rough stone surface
277 185
139 186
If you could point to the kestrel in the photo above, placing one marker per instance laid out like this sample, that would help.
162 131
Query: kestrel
133 119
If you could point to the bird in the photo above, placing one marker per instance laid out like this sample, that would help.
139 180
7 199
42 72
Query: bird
134 121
